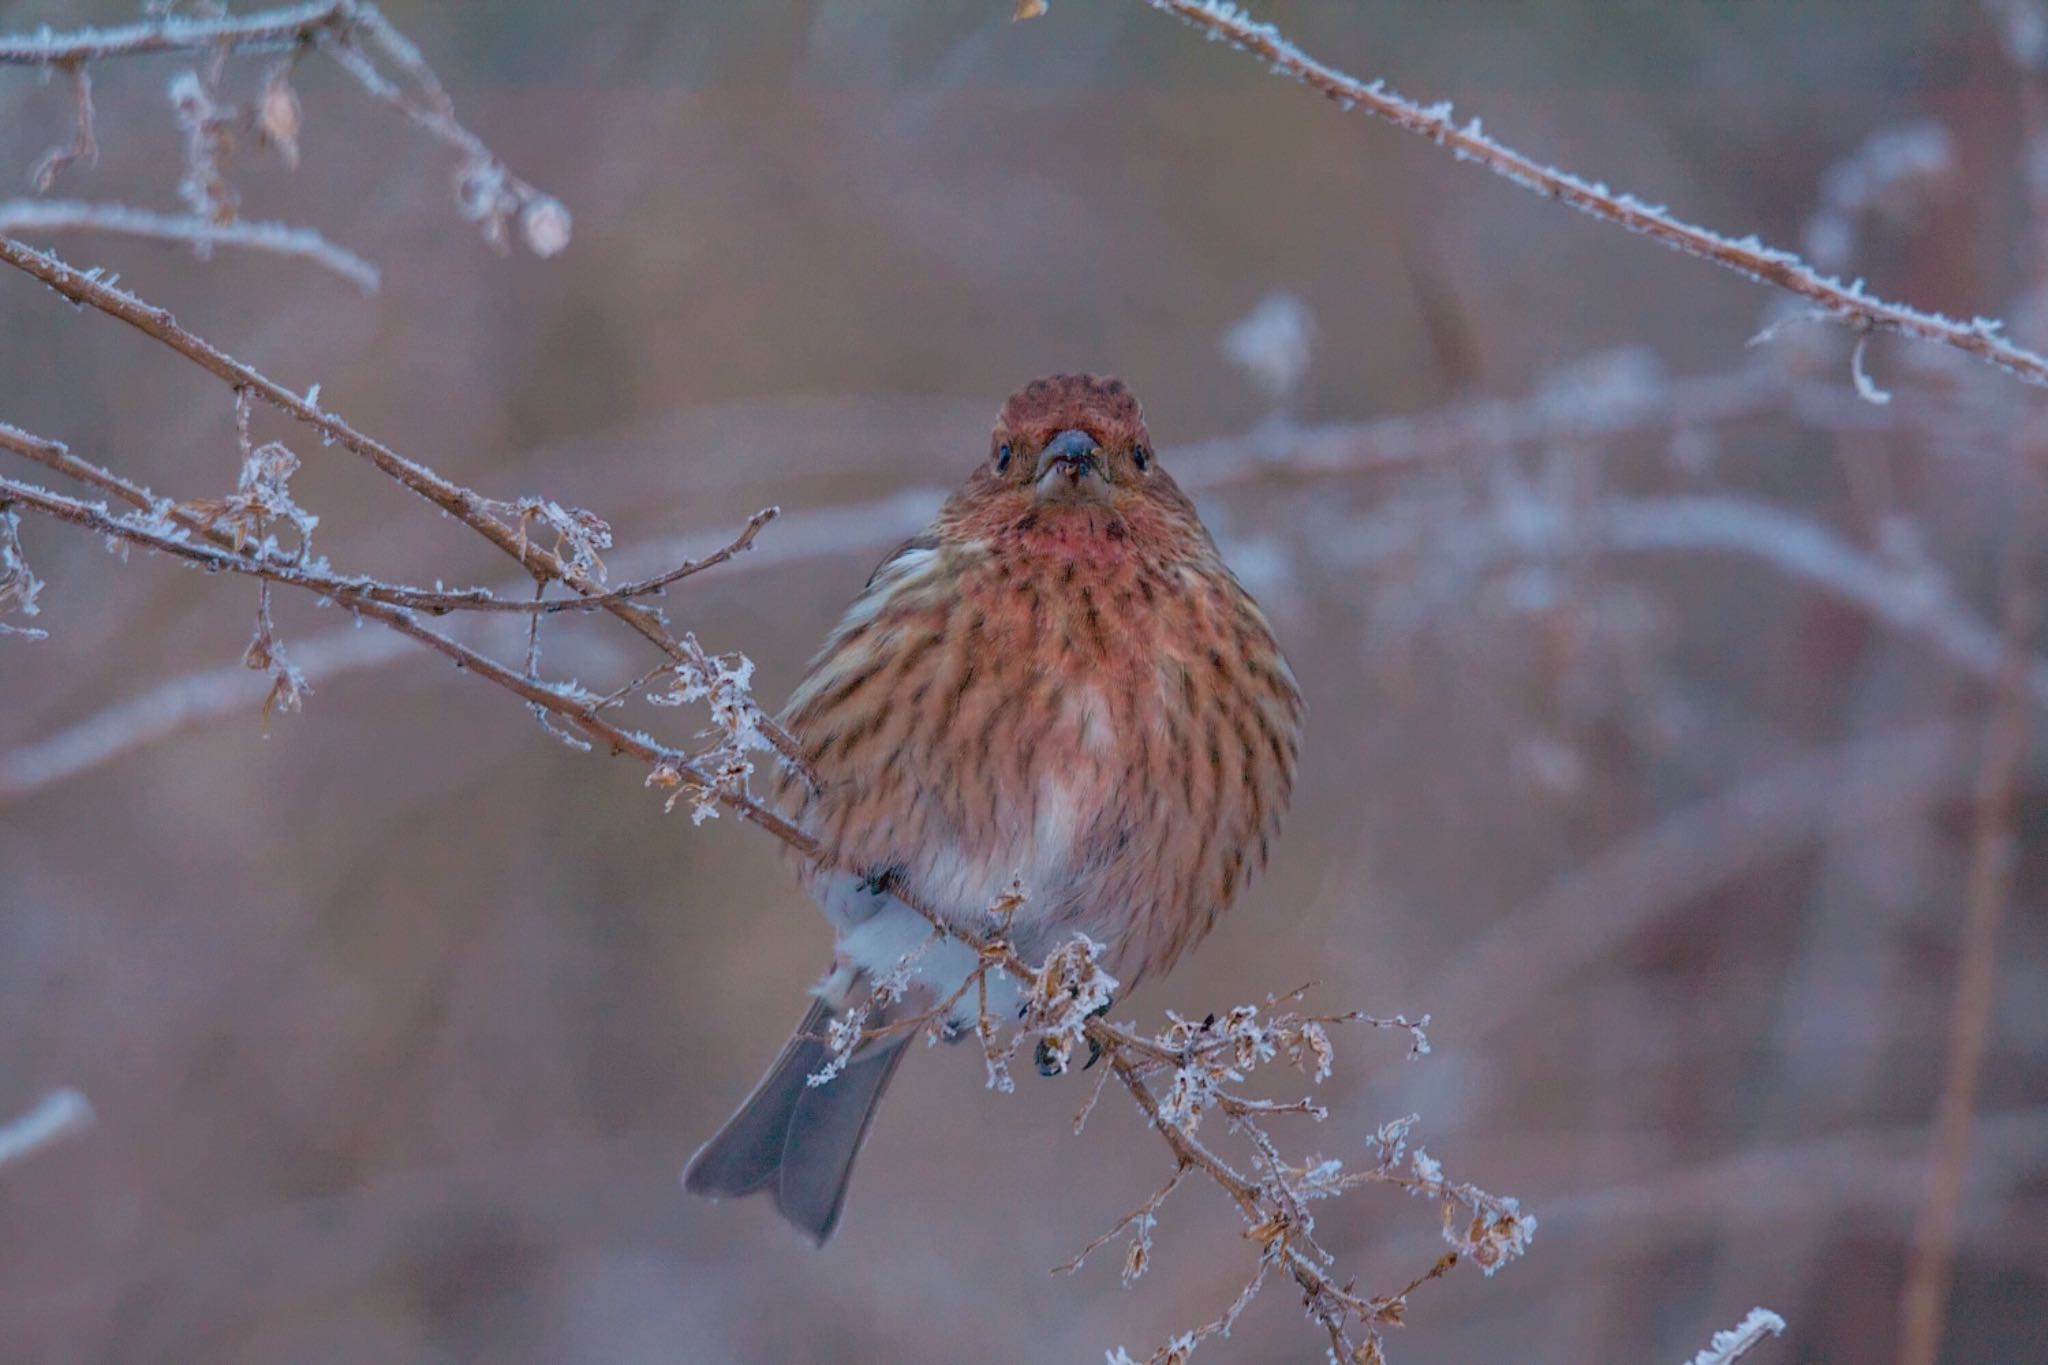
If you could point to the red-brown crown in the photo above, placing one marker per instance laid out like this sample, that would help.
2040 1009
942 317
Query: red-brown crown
1096 404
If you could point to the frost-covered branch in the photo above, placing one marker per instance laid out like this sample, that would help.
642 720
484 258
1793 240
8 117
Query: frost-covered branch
1848 303
267 30
210 534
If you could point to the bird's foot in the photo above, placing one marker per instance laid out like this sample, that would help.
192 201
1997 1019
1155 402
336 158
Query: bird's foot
1095 1048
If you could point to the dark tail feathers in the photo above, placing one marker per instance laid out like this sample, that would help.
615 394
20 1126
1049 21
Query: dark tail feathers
796 1139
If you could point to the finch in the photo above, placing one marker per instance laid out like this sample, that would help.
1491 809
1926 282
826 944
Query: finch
1058 683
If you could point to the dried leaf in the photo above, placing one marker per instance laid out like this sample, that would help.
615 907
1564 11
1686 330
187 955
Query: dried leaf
278 119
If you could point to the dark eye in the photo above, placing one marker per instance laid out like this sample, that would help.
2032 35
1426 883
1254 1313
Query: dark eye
1002 458
1141 457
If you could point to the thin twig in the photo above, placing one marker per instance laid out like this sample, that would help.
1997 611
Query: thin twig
84 146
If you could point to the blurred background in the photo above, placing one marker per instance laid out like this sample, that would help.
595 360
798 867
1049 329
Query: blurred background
1647 677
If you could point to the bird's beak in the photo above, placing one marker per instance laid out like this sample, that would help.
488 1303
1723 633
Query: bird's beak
1071 469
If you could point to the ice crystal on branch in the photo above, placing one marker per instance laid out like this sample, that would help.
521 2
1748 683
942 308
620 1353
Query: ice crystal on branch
262 495
581 535
724 683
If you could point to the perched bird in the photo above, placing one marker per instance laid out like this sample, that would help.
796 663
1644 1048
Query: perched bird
1057 682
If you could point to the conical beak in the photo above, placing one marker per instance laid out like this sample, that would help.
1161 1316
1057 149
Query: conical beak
1071 469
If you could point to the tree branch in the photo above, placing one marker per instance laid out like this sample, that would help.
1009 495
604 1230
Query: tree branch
177 33
1847 303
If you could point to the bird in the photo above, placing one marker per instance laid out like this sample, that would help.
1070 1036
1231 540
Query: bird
1058 690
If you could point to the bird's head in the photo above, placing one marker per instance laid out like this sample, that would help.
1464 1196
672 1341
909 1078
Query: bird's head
1070 466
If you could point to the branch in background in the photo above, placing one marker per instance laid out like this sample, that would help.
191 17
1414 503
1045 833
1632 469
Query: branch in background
356 36
1846 303
1911 596
1994 855
1503 973
1868 1177
199 233
1738 1341
58 1115
181 704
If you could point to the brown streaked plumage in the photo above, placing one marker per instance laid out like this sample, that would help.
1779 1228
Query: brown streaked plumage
1058 680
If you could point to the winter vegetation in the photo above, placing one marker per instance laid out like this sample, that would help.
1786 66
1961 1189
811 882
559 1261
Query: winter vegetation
1518 578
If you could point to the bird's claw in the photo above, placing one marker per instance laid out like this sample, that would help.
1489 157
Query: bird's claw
1050 1065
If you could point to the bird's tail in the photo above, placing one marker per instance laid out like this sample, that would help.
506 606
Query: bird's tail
796 1139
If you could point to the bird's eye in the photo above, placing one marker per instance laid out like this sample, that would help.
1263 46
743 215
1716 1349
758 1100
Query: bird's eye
1141 457
1002 457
